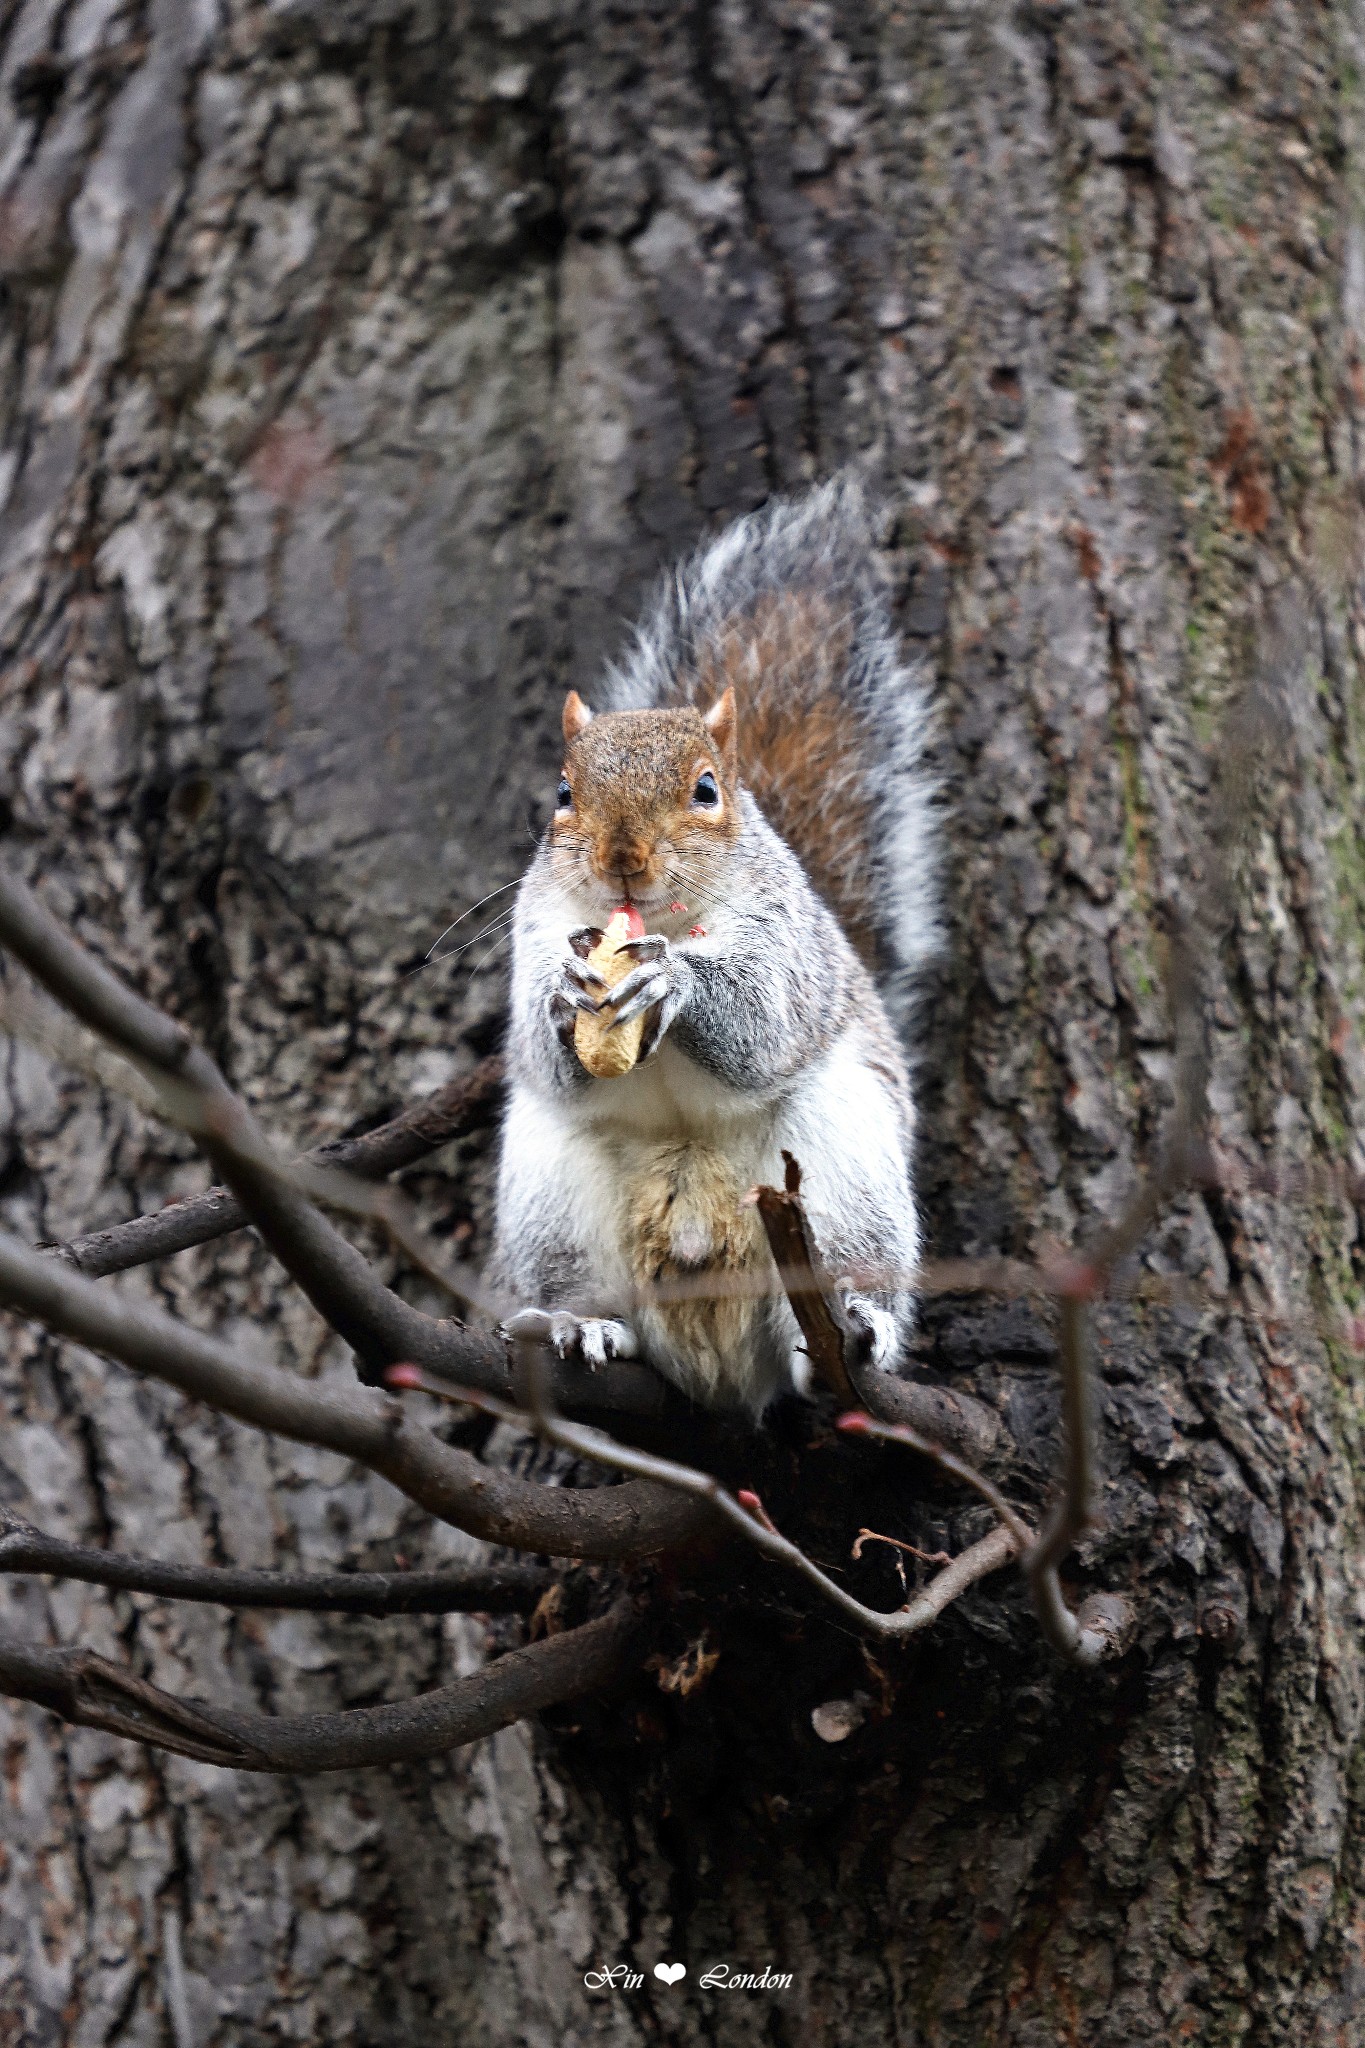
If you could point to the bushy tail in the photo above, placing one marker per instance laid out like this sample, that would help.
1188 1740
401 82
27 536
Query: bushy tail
787 606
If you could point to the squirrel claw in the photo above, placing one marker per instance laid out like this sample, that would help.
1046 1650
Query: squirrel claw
651 946
579 991
645 985
639 992
604 1337
585 978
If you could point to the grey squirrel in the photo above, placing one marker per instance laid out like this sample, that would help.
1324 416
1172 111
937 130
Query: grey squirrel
753 787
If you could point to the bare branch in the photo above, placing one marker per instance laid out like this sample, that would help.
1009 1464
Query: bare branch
858 1424
462 1106
358 1422
1184 1156
956 1423
84 985
487 1589
91 1692
1072 1512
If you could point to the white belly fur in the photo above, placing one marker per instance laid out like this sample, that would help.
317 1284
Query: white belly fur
650 1171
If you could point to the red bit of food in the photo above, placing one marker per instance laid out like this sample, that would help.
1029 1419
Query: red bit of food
698 931
635 924
677 909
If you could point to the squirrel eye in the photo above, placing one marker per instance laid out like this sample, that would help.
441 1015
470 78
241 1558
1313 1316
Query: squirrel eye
563 795
706 791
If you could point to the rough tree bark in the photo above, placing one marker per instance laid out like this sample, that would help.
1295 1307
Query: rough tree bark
362 361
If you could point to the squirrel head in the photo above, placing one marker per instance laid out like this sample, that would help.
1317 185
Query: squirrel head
646 810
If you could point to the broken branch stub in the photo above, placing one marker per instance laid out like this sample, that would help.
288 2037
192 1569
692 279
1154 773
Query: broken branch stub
830 1333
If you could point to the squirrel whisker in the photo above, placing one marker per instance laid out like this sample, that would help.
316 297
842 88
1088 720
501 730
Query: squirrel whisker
496 947
435 959
500 891
445 959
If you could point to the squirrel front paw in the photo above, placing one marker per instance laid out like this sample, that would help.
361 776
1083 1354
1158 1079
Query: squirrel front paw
578 987
654 985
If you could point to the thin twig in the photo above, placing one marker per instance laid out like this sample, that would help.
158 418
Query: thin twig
859 1424
866 1536
1100 1628
481 1588
461 1107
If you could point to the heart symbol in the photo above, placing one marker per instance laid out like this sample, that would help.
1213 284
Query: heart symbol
670 1972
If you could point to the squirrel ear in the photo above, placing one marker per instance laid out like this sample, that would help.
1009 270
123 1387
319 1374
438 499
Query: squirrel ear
576 716
721 722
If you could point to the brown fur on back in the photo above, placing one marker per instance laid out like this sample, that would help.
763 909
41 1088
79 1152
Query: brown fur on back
789 608
801 745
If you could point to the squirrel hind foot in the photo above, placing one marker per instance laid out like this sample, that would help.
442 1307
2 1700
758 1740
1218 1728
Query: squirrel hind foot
881 1337
592 1339
881 1329
604 1337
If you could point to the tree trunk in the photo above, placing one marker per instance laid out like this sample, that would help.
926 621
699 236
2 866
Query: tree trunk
364 360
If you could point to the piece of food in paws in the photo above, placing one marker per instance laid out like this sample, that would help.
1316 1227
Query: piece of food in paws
604 1052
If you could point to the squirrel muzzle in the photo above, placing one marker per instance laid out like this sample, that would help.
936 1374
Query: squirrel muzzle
624 860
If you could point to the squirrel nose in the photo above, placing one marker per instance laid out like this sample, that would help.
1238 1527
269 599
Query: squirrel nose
627 858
